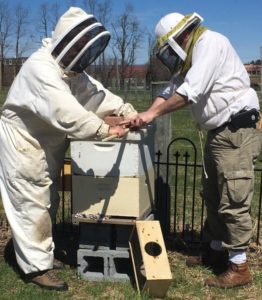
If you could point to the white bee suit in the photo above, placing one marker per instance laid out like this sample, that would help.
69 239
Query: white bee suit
38 115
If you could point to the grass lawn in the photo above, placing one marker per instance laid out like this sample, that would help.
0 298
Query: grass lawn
187 283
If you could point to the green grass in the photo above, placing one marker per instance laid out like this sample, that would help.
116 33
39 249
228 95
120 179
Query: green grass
188 284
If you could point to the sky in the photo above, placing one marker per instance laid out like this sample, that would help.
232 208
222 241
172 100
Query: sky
239 20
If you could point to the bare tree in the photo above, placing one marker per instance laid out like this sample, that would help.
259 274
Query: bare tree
126 41
156 71
49 15
44 20
91 6
54 14
5 28
100 9
102 68
21 28
150 46
5 34
72 3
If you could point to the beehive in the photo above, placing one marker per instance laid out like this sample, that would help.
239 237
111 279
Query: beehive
114 178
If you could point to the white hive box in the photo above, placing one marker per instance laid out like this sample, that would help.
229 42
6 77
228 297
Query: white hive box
130 156
114 178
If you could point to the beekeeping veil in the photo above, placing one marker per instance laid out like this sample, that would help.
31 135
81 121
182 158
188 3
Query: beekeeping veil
168 31
78 39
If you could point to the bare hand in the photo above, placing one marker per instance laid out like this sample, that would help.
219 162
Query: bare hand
117 131
138 120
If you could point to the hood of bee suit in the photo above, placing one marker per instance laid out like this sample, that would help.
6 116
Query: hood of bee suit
168 30
78 39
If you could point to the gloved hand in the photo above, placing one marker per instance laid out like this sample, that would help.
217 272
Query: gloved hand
107 132
127 110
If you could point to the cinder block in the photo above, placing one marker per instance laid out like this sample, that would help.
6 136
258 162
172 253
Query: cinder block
95 236
149 258
122 234
99 265
93 265
120 265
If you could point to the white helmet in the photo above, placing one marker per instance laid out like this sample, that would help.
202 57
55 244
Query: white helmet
168 29
78 39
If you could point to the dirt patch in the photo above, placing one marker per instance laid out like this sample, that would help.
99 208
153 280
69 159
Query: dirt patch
5 235
255 256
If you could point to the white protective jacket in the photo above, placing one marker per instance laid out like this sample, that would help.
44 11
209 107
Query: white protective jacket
42 108
217 84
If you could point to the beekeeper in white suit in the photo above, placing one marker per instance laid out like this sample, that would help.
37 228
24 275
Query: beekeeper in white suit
209 78
51 98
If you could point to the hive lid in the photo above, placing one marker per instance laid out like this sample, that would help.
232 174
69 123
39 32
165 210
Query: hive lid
139 135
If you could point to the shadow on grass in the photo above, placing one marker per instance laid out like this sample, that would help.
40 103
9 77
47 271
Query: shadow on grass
66 239
10 259
66 246
176 243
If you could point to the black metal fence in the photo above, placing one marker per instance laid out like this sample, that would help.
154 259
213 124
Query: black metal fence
178 203
179 206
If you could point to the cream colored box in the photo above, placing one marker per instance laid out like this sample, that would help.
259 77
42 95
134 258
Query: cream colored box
114 196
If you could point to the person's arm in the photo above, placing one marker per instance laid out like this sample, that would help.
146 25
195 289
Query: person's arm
174 103
159 107
158 101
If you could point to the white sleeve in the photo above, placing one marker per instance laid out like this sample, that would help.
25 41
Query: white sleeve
57 106
40 88
201 76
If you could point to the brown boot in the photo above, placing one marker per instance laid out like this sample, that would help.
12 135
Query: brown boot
212 258
236 275
47 280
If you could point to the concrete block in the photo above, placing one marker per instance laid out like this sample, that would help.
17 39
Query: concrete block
95 236
122 234
92 265
100 265
120 265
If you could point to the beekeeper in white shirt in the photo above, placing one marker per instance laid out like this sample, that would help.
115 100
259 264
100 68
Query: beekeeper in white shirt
51 98
209 78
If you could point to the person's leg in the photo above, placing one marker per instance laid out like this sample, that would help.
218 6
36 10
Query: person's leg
235 165
26 199
214 229
211 190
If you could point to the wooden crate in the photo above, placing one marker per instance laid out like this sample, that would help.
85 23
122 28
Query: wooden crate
149 258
